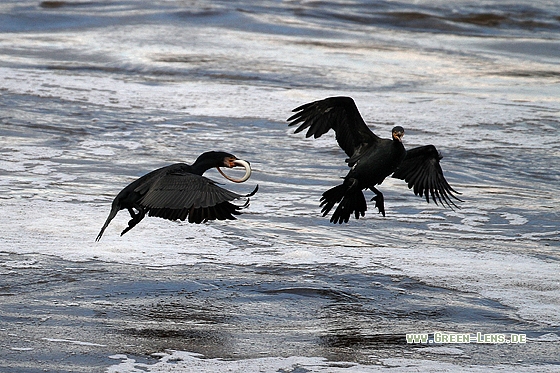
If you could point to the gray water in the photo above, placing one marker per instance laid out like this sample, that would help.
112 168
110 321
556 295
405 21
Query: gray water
95 94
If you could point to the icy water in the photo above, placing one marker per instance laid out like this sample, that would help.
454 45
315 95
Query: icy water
94 94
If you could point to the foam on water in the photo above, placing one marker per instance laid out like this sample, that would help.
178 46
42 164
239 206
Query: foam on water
177 361
495 275
501 246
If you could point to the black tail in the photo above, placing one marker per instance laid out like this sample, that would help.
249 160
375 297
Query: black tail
351 201
115 208
112 214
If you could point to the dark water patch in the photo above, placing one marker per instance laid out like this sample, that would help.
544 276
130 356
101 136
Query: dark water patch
349 338
234 77
418 21
186 336
346 45
312 292
243 15
187 59
47 119
429 17
457 22
56 15
483 19
61 4
182 310
52 4
227 311
193 14
546 74
90 68
533 49
522 20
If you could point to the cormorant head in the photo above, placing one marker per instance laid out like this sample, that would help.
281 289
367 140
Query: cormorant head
397 133
223 159
214 159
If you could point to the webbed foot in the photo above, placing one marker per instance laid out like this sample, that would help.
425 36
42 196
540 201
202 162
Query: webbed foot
379 201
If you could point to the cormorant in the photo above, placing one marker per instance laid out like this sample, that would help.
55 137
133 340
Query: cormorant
179 191
371 159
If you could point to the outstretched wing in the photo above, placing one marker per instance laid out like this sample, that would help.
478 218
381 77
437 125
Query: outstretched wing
341 115
178 195
421 170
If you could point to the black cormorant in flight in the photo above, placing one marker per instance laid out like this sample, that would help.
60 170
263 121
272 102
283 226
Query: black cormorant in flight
370 158
179 191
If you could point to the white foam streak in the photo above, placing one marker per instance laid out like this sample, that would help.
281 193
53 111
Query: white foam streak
178 361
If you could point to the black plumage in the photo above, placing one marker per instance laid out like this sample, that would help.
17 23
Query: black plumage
371 158
178 192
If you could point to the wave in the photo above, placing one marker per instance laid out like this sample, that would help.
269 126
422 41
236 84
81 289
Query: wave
458 17
468 19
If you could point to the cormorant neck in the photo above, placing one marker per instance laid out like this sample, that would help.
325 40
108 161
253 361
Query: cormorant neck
202 164
398 145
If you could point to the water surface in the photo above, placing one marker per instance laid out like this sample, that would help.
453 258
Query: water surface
94 94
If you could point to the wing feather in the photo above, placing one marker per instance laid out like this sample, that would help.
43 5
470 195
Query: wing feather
341 115
422 172
178 195
183 190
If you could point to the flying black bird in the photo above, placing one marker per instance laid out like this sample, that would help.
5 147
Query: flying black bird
371 159
179 191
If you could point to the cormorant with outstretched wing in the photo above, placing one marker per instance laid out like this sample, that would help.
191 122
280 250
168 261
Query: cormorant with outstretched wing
179 191
371 159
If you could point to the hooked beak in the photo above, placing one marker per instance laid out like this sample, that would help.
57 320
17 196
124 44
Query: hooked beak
241 163
398 136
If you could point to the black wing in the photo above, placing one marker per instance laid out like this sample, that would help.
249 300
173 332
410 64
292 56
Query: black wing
421 170
341 115
178 195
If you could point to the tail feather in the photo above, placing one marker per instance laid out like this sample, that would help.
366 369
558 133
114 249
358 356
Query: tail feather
112 214
331 197
353 202
350 201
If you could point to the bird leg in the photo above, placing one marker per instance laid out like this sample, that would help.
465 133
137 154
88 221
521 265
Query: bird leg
379 201
136 217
